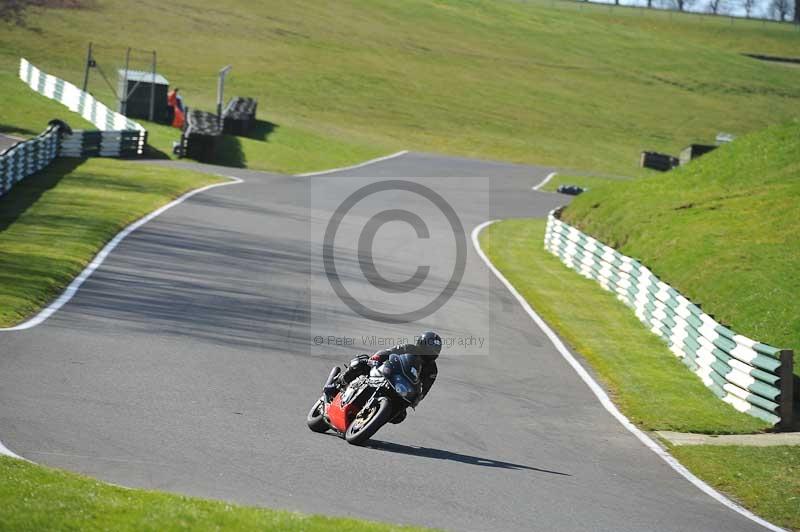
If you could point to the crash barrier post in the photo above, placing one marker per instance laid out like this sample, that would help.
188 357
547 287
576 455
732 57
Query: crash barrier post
118 135
239 115
201 135
751 376
29 156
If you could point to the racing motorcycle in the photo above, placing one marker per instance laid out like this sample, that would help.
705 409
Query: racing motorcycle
369 401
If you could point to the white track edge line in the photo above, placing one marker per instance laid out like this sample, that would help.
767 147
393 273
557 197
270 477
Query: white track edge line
606 401
544 181
72 289
98 259
353 167
5 451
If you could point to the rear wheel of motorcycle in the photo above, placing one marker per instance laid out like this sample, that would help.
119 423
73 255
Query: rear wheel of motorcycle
315 419
359 432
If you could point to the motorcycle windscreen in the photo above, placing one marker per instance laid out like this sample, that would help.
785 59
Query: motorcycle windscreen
404 387
409 365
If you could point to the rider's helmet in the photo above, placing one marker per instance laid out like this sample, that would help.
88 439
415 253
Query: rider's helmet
431 344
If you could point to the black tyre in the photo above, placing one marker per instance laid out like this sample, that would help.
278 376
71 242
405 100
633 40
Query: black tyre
315 420
363 428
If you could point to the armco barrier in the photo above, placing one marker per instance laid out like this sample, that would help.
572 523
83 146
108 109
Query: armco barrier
27 157
753 377
118 135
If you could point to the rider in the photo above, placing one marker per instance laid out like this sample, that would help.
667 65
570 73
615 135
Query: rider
428 347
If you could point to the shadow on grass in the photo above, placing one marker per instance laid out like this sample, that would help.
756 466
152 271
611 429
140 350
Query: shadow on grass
230 152
795 424
151 152
262 130
29 190
11 130
440 454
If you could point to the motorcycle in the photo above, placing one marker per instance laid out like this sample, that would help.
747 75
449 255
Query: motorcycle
369 401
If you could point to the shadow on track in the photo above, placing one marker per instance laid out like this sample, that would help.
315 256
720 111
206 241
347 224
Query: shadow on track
440 454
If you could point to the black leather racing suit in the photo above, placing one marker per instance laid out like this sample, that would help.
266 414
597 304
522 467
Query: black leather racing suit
358 366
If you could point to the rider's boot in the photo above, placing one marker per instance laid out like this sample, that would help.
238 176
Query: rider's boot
399 417
330 392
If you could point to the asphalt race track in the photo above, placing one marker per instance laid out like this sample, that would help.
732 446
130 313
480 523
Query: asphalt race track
185 363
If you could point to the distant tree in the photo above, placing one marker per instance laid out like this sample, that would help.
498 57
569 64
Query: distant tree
14 10
780 9
683 5
748 6
797 11
715 6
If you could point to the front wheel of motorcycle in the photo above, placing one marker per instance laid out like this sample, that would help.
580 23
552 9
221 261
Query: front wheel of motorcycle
315 420
367 423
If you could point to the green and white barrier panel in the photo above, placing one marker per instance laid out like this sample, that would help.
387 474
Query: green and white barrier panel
753 377
118 135
28 157
101 144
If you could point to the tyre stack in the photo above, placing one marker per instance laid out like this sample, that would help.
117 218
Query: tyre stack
571 190
239 116
693 151
658 161
201 136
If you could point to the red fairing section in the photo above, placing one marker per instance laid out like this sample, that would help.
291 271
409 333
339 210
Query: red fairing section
337 414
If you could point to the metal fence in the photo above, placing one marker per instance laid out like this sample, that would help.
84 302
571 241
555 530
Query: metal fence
753 377
28 157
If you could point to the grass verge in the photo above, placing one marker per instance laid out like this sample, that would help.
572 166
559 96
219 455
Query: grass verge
764 479
53 223
33 497
649 384
724 231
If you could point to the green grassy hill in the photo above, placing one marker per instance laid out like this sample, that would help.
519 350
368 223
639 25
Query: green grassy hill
724 231
538 82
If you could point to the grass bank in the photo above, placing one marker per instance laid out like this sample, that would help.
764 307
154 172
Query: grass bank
270 147
724 231
39 498
538 82
53 223
764 479
649 384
